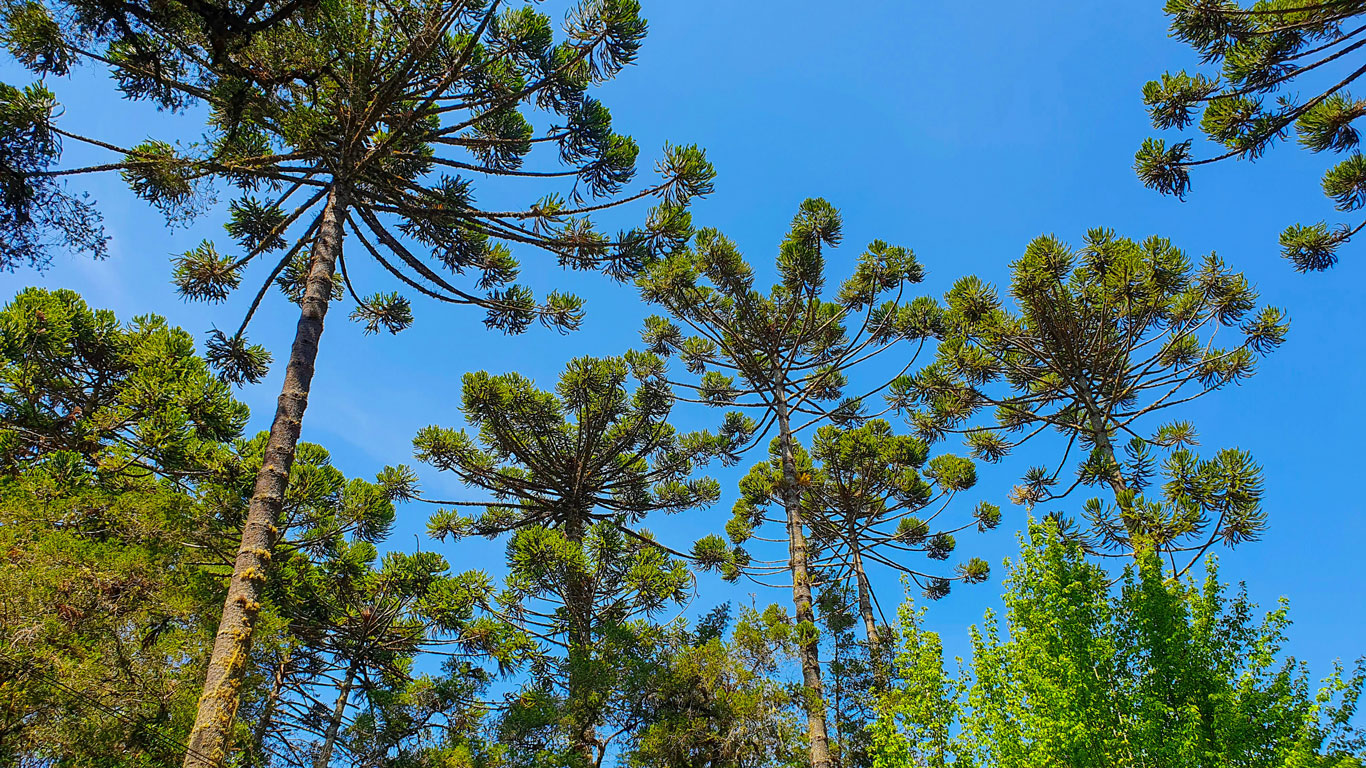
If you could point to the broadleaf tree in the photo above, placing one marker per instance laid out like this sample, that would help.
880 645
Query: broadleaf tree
1076 672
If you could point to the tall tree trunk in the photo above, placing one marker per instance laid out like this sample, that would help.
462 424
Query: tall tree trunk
808 648
583 717
208 743
338 714
1116 480
258 741
865 601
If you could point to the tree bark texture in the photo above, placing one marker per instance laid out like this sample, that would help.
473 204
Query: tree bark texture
209 739
808 648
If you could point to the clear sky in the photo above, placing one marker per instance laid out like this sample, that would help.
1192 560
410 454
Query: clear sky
961 130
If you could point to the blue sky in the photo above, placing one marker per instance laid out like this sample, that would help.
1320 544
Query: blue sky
961 130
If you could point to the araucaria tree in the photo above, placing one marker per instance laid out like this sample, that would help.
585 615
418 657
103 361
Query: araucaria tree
573 475
1101 341
1263 51
876 496
371 121
784 354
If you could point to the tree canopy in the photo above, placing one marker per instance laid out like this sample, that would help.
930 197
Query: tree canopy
1256 55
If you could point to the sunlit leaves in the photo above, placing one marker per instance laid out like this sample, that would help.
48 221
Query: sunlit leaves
1312 248
34 39
1154 669
162 176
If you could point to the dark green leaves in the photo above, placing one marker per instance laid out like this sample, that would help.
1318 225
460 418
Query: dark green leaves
257 226
1171 100
389 311
1262 52
157 173
1100 338
1164 169
1312 248
126 398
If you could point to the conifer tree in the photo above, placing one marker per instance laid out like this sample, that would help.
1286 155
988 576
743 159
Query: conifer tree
875 496
333 611
785 354
1259 53
372 620
372 121
573 475
1100 342
126 400
713 698
106 430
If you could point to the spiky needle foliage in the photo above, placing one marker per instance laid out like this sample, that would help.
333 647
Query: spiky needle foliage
785 354
1100 342
370 121
875 497
1259 53
573 475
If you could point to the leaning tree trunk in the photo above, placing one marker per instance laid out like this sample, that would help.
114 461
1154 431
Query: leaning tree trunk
338 714
208 744
1101 436
808 643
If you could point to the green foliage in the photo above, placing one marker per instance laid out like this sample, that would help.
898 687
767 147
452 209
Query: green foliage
1157 672
36 211
712 701
1101 339
110 433
1260 53
128 399
862 491
785 354
123 493
400 110
573 474
107 619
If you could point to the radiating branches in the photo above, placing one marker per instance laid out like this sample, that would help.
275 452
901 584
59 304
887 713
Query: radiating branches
37 212
744 346
1099 342
869 497
874 497
786 355
129 400
573 474
406 107
596 449
1262 52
